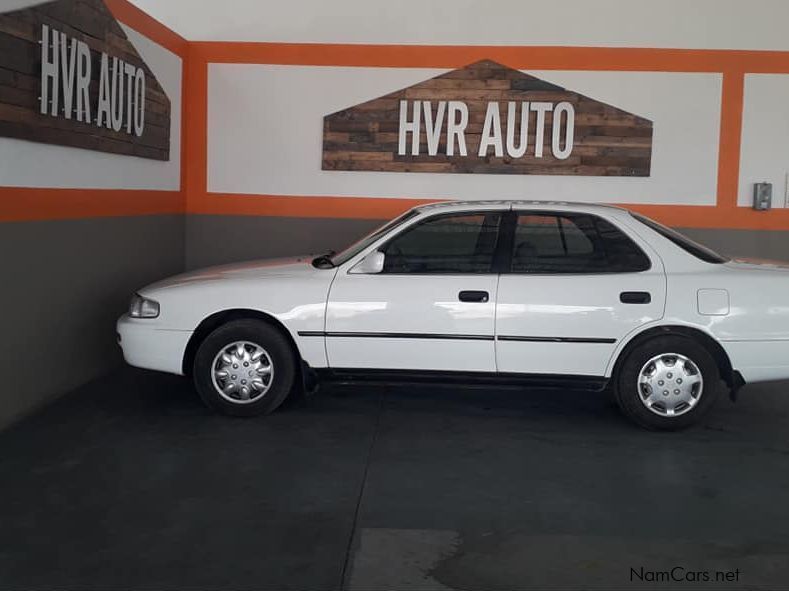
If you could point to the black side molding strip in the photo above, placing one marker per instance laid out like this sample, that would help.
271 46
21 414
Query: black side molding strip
397 335
450 337
555 339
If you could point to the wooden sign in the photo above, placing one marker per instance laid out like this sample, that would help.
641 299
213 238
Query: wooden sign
488 118
69 76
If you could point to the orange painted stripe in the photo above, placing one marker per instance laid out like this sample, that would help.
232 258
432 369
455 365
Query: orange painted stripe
686 216
19 204
145 24
307 207
185 131
724 218
730 138
731 64
195 150
521 57
199 201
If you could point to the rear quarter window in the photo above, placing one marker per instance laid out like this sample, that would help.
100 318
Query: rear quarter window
573 243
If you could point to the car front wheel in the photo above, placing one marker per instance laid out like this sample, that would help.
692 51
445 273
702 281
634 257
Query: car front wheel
244 368
667 383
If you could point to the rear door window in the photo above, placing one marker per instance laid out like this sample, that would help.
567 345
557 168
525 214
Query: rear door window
558 243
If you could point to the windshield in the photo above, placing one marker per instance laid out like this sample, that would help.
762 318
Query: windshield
697 250
359 246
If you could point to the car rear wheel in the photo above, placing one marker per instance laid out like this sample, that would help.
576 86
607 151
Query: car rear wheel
244 368
667 383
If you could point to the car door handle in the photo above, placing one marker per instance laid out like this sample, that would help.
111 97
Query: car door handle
635 297
474 296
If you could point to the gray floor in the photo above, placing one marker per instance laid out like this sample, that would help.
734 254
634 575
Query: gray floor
129 483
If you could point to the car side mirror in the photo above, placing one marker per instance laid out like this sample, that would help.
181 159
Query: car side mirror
372 264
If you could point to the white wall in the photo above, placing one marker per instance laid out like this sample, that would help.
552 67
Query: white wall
704 24
265 136
32 164
764 154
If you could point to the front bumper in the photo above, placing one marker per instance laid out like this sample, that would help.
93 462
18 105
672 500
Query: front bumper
149 346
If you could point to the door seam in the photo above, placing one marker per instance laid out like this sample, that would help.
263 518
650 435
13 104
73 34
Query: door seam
496 325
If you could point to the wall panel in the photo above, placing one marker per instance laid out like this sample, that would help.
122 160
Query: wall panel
30 164
764 155
79 232
265 133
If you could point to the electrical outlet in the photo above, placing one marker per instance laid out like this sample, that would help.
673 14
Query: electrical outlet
762 196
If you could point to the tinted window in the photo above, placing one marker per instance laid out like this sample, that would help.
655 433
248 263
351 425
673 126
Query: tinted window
573 243
697 250
462 243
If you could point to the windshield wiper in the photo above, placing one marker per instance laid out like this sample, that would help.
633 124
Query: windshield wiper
324 261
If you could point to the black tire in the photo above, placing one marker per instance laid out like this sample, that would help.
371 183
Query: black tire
627 391
257 332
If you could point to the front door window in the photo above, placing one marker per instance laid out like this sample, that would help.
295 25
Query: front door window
447 244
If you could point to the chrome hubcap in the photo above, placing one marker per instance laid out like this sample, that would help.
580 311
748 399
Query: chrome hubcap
670 384
242 372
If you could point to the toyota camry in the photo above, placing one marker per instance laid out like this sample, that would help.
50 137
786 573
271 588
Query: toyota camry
532 293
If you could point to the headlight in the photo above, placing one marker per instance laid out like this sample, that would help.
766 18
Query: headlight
141 307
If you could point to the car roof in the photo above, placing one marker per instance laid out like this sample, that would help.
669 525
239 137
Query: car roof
452 206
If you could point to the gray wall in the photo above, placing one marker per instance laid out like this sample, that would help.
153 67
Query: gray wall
64 284
212 240
763 244
216 239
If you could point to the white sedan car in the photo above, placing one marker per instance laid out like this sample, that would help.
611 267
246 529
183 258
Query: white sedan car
530 292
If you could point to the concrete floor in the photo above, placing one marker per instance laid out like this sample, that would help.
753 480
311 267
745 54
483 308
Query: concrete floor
129 483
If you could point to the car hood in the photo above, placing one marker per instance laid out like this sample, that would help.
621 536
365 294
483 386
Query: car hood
286 267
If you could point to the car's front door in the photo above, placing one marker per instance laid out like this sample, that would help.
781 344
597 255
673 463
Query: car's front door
431 308
577 286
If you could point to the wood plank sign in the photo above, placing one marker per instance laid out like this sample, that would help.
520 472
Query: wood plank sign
70 76
488 118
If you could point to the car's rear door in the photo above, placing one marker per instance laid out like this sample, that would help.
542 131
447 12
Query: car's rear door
577 285
432 307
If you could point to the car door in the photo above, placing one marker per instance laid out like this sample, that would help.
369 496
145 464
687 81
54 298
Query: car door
577 285
432 307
